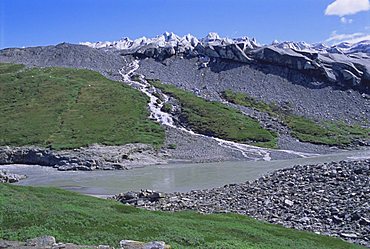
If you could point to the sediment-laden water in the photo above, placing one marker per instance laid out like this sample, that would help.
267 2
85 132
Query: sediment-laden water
172 177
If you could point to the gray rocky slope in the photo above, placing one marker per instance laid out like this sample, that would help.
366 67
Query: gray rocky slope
276 73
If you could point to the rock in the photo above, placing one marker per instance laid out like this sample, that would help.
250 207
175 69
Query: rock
132 244
349 76
349 235
337 219
43 241
139 198
130 195
365 222
355 216
156 245
58 246
3 245
304 220
10 178
288 202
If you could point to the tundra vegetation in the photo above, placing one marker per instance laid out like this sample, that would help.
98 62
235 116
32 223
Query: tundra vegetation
65 108
28 212
218 120
306 130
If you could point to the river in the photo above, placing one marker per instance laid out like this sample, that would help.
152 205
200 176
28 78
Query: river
171 177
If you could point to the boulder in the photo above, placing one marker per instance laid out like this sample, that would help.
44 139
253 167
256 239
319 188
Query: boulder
41 242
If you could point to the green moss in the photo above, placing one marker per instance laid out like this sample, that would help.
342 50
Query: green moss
245 100
68 108
218 120
166 108
172 146
306 130
27 212
136 78
10 68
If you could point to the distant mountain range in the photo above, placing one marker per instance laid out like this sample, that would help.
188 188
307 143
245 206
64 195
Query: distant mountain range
345 63
169 39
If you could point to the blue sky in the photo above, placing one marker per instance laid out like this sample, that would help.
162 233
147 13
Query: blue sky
44 22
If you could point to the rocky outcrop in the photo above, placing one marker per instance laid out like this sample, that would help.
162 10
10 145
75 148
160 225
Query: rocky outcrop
330 199
49 242
10 178
89 158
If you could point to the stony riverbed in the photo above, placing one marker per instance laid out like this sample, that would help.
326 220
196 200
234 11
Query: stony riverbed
330 198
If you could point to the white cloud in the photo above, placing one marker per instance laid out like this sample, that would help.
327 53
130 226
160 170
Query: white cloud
345 20
347 7
350 38
358 39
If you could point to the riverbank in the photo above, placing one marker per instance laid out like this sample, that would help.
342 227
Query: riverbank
330 198
28 212
180 146
87 158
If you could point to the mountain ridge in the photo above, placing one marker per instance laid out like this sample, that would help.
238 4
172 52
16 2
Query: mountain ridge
213 38
345 64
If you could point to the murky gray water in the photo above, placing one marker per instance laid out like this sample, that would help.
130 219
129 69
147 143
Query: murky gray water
167 178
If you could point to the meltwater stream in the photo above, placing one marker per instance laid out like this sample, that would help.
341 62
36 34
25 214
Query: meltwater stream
167 178
248 151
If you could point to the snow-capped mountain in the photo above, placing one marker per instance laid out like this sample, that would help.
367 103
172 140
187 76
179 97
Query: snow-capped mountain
301 46
169 39
189 42
345 63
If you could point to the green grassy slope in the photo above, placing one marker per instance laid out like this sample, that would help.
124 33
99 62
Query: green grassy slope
68 108
217 119
306 130
27 212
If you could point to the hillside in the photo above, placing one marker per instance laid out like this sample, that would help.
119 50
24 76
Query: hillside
65 108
